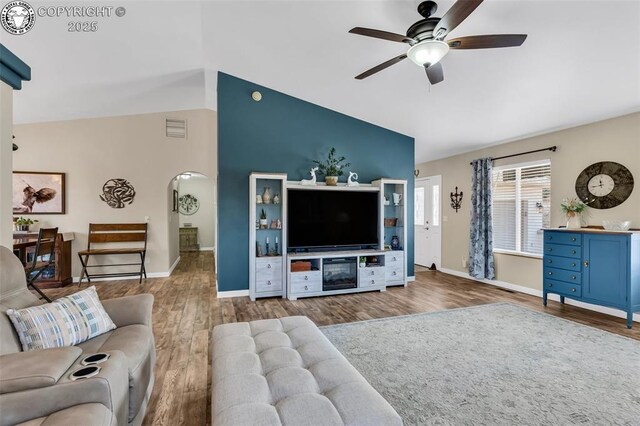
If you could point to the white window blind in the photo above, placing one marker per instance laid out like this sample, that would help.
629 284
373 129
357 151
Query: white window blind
521 206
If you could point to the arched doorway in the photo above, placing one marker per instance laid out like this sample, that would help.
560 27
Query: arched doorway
191 203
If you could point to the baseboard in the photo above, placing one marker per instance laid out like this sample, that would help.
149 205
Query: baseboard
411 278
133 277
232 293
174 266
207 249
538 293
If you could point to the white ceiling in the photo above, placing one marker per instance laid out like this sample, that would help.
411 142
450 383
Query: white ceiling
580 63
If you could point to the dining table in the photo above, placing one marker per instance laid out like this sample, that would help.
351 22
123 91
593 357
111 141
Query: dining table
21 244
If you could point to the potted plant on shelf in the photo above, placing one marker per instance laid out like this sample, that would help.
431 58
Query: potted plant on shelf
263 219
332 167
573 208
23 224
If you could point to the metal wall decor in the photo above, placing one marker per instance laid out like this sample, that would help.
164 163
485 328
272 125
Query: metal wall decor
416 172
188 204
117 193
456 200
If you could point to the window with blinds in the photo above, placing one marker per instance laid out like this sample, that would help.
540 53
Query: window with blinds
521 206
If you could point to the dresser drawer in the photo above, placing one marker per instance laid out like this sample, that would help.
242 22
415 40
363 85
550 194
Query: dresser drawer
563 250
364 282
377 272
562 263
571 277
394 274
394 259
268 285
572 238
563 288
298 287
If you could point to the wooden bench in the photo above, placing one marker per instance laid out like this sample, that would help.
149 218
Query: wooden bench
103 233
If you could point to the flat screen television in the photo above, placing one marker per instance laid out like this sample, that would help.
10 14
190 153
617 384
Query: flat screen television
332 219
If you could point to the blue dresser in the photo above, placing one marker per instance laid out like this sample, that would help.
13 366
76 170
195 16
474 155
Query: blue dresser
593 267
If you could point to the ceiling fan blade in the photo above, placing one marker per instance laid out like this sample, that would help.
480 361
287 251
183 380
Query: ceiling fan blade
454 16
385 35
380 67
435 73
487 41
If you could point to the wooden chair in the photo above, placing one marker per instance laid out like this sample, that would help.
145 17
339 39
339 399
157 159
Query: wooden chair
42 258
102 233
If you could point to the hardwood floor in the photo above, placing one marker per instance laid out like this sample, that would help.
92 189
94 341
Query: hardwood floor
186 309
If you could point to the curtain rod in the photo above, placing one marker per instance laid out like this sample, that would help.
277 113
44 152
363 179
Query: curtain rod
551 148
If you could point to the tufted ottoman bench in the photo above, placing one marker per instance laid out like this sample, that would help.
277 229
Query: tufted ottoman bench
286 372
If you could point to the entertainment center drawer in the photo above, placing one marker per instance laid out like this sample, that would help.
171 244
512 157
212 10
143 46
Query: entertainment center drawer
563 288
370 282
394 259
307 277
572 238
395 273
266 285
266 265
298 287
375 272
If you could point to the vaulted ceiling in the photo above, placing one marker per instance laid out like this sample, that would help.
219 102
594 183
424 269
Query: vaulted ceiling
580 63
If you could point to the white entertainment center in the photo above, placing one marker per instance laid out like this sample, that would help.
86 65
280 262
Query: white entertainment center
276 271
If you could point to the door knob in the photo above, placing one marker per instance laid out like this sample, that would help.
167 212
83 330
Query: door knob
586 263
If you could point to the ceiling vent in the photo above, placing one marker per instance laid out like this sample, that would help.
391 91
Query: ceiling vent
176 128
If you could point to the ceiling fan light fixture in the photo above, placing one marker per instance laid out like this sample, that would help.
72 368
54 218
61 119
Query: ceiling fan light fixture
428 52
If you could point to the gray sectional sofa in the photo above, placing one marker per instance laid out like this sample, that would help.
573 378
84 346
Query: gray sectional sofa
35 387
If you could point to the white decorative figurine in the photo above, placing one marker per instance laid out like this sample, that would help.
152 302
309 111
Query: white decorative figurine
311 181
353 182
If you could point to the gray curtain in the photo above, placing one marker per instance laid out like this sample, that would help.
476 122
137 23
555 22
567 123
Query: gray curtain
481 239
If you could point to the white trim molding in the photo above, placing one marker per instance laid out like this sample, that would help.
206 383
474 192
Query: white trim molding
538 293
411 278
207 249
232 293
173 266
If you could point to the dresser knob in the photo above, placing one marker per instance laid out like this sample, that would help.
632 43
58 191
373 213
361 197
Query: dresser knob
268 266
586 263
394 259
549 261
268 282
573 290
550 273
372 273
394 273
373 282
306 278
573 264
550 285
573 277
573 239
573 252
306 288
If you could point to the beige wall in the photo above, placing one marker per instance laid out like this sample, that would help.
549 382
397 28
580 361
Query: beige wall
617 139
6 160
91 151
204 219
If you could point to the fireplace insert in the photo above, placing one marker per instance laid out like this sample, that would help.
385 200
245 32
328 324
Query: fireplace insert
339 273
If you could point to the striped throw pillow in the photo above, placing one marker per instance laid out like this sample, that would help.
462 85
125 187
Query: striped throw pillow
65 322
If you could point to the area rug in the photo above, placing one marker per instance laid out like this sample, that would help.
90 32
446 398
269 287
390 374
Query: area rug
496 364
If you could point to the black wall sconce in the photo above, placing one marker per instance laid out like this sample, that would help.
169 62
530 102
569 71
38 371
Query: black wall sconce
15 147
416 172
456 200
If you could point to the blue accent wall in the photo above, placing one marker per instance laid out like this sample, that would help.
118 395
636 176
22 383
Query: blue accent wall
283 134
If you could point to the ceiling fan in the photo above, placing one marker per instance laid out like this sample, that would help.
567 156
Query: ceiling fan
426 38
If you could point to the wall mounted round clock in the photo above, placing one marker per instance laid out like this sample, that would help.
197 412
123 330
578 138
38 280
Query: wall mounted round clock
188 204
604 185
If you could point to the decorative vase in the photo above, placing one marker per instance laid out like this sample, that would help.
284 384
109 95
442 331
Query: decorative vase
395 242
258 199
263 223
573 221
22 228
266 195
331 180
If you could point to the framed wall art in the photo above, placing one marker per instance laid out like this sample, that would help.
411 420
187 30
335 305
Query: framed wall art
38 193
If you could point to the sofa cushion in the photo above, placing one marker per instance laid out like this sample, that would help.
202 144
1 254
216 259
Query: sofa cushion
137 344
68 321
285 371
84 414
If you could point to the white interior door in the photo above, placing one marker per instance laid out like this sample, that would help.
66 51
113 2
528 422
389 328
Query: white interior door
428 221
